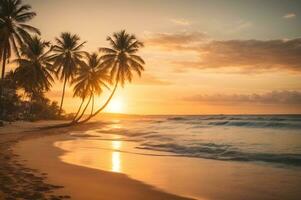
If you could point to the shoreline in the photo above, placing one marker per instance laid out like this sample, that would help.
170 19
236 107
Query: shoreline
63 163
169 172
16 179
29 180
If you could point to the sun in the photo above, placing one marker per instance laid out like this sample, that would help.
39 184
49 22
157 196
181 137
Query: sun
115 106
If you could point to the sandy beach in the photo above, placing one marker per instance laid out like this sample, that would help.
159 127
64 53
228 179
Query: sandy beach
100 160
38 173
17 180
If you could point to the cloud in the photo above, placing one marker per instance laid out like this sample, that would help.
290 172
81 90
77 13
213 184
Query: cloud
181 22
173 41
243 55
149 79
252 55
272 97
289 16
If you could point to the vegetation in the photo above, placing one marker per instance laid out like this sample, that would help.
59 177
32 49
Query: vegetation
121 60
92 76
34 68
13 28
67 56
38 63
15 106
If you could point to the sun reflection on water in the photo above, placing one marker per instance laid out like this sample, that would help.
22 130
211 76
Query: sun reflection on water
116 162
116 158
116 145
116 126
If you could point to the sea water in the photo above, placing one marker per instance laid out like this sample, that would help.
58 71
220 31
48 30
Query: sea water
194 155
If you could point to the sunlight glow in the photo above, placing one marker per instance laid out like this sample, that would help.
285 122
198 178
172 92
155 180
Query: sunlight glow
116 160
116 164
116 145
115 106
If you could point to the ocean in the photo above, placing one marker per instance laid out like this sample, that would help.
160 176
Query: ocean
273 139
258 155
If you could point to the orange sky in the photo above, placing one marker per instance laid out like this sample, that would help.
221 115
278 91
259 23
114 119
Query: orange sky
202 57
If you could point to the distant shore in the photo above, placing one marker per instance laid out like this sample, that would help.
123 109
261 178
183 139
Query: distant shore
31 173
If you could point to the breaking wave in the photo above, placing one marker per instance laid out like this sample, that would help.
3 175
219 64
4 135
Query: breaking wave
281 121
224 152
274 139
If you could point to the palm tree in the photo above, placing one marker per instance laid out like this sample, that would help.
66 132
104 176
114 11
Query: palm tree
13 28
34 69
66 58
90 80
121 60
82 94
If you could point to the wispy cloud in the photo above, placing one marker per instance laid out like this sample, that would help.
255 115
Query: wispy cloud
244 55
181 22
252 55
271 97
174 41
289 16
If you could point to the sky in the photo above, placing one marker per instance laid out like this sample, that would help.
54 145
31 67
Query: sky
202 57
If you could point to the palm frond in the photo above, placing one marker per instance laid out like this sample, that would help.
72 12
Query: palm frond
30 28
25 17
107 50
121 58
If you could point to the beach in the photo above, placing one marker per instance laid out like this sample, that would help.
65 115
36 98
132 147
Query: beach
36 172
113 159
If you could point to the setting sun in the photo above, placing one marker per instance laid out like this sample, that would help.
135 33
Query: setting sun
115 106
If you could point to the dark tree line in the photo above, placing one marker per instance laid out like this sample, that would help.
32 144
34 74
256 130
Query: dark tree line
38 63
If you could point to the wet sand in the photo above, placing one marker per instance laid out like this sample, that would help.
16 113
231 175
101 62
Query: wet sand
81 182
193 177
36 171
31 169
17 181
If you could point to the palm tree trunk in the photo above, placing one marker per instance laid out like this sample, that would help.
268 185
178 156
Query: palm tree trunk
62 100
92 105
30 105
3 63
2 77
104 106
76 120
80 107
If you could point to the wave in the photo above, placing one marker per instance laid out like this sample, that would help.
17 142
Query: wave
257 124
223 152
123 131
286 121
206 137
178 118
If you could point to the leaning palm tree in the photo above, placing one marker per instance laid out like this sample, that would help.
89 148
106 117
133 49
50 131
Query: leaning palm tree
121 59
66 58
91 78
13 28
82 94
34 69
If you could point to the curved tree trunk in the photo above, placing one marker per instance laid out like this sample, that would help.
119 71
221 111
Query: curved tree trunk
3 63
104 106
81 115
92 105
80 107
62 100
2 78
